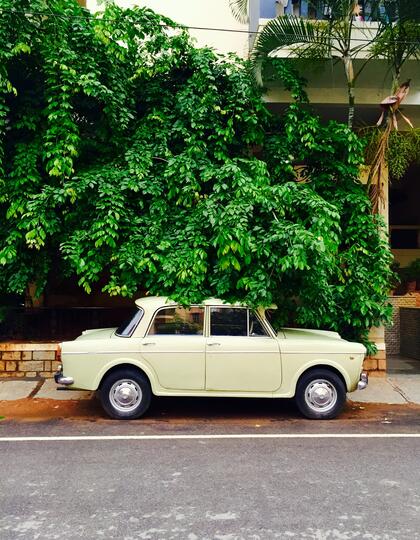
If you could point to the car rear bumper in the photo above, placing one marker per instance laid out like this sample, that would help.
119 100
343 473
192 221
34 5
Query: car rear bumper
364 381
61 379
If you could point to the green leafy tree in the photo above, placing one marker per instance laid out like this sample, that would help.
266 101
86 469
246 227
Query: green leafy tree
129 156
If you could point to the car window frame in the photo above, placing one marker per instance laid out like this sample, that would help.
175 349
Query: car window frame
268 330
175 306
143 312
261 321
210 335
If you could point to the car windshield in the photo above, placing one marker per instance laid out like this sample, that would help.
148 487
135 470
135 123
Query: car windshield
129 325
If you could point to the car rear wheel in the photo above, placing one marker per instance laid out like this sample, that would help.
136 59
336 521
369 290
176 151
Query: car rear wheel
320 394
125 394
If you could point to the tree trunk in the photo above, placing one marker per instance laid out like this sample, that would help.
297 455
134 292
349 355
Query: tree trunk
348 66
350 91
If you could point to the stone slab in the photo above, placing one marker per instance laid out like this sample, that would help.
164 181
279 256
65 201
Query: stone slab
379 390
49 391
11 390
27 346
409 386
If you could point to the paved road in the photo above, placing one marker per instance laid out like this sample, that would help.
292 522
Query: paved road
340 483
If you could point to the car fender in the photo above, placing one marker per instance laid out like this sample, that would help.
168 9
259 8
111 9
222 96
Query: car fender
146 368
319 363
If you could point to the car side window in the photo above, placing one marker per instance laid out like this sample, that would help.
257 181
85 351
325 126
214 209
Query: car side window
255 326
228 321
126 329
178 321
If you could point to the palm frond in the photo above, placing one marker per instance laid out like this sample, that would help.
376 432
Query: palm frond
239 10
313 38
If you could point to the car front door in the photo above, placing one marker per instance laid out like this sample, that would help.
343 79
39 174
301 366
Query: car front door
175 347
241 356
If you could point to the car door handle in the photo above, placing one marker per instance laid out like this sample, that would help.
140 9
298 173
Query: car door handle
213 344
149 343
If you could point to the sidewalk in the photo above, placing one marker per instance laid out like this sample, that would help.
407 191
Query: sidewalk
393 389
11 390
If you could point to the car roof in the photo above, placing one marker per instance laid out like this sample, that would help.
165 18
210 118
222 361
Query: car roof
155 302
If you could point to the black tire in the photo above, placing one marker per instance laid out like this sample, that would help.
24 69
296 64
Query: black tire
125 394
320 394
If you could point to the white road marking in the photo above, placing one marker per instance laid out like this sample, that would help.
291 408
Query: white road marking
70 438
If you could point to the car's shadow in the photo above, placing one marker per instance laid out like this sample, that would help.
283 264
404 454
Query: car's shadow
200 410
202 407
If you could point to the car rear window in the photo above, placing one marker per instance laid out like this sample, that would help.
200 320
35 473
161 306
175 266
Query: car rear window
127 328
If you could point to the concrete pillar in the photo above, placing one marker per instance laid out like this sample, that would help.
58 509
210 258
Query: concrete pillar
377 335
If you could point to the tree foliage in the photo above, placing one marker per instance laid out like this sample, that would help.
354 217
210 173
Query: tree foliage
129 155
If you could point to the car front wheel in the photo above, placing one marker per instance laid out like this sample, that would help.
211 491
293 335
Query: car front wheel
125 394
320 394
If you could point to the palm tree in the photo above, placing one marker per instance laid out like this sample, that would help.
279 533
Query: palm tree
397 41
398 37
239 9
330 38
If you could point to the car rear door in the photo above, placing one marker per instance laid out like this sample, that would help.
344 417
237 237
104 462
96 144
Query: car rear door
175 347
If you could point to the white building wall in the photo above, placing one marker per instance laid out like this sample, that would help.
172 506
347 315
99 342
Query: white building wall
198 13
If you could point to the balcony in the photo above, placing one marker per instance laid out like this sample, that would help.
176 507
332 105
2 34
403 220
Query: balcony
268 9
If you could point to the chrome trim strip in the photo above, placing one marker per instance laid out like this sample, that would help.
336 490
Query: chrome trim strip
138 351
198 351
148 351
96 352
323 353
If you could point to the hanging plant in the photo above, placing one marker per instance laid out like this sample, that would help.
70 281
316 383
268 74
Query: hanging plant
401 151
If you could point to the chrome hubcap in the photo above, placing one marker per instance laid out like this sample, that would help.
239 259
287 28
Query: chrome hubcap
320 395
125 395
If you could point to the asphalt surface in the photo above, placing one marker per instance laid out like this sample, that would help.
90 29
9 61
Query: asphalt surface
285 477
222 489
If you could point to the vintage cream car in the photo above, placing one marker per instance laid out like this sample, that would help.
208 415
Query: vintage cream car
212 349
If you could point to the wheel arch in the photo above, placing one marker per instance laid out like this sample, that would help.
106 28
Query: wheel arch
124 365
329 367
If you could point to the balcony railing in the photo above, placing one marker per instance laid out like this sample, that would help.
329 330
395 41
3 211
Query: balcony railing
316 10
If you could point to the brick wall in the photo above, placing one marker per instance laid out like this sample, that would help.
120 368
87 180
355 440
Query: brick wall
410 332
28 359
376 363
392 333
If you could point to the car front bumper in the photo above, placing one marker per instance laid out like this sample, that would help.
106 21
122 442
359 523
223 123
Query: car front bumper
61 379
364 381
